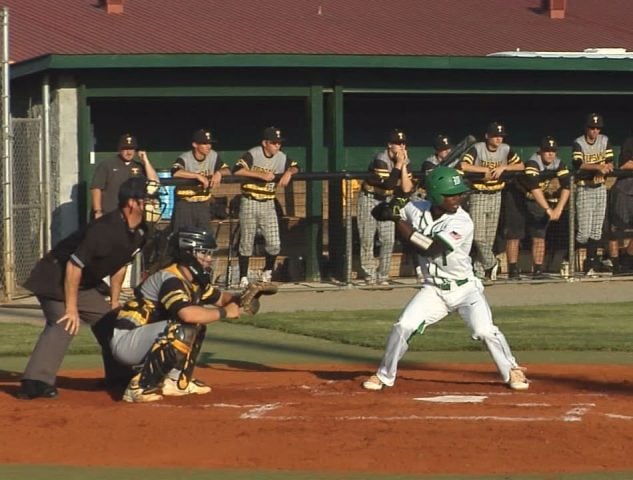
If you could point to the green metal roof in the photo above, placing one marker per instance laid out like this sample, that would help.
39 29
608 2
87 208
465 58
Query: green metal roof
179 61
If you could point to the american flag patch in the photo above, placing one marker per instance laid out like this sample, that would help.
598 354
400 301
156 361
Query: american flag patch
455 235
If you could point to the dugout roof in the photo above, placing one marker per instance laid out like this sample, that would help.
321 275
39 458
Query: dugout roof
374 30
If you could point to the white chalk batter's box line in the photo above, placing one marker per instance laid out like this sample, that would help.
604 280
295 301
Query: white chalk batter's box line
574 413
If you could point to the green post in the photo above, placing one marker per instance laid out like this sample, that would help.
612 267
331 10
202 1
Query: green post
335 143
314 190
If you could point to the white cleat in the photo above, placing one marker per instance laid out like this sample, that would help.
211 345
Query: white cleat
373 383
517 380
135 394
194 387
267 276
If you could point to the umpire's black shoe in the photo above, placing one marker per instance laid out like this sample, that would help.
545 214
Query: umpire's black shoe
31 389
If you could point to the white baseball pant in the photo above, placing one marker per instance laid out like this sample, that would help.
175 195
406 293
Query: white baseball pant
429 306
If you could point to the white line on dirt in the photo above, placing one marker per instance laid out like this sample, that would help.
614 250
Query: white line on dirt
259 411
453 399
619 417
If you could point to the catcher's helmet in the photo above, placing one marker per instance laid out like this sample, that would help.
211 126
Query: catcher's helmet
193 238
189 241
444 181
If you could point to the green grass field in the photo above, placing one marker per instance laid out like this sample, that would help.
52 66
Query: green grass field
581 333
580 328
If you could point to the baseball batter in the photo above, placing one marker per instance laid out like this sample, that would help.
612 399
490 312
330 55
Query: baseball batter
442 233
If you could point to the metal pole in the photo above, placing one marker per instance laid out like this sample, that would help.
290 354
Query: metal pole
7 190
46 161
572 228
348 230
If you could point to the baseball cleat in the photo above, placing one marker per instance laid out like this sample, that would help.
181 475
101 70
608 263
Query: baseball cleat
267 276
30 389
373 383
517 380
196 387
492 272
135 394
243 282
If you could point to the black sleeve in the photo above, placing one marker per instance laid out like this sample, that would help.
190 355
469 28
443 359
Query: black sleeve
576 155
245 161
179 164
530 177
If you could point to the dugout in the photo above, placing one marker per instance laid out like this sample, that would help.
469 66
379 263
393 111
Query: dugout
334 110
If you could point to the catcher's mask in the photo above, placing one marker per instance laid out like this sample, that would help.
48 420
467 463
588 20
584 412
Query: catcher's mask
444 181
195 251
154 208
140 188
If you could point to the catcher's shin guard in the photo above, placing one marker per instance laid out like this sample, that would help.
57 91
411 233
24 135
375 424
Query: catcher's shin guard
186 372
171 350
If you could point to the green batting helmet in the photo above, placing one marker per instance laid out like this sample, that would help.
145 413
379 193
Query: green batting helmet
444 181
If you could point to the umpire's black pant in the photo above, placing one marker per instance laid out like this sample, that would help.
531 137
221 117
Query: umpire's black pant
54 340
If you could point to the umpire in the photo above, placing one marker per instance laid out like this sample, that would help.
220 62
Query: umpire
68 283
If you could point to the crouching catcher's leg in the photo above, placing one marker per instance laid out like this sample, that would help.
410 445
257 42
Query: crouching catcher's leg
177 347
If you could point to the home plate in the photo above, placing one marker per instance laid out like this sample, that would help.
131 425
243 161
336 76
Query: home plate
453 399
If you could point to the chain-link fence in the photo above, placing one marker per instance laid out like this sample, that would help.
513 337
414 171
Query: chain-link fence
28 199
25 244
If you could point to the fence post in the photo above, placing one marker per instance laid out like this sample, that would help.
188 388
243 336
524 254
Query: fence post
572 228
348 230
7 170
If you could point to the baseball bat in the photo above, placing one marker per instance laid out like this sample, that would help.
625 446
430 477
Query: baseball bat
454 157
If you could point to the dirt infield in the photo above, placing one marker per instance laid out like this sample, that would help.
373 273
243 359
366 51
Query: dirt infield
438 419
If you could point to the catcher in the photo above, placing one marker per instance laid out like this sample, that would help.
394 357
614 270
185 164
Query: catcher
160 331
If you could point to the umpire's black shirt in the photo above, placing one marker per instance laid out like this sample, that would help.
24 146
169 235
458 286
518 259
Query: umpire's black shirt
100 249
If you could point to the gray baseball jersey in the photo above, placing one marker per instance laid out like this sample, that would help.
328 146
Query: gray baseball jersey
207 167
598 152
256 160
480 155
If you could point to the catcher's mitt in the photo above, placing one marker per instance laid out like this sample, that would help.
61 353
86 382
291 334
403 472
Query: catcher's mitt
249 298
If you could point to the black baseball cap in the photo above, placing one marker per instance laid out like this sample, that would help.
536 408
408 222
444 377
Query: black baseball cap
127 141
202 136
549 144
272 134
496 129
397 136
442 142
594 120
